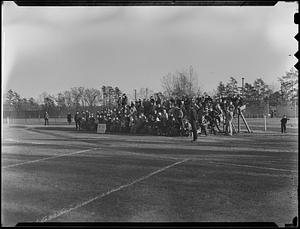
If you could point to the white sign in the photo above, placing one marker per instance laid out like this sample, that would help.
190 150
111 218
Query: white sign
101 128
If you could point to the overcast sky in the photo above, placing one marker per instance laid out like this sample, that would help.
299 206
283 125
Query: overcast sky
55 48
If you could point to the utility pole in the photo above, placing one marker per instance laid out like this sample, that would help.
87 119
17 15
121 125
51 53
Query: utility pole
135 94
146 93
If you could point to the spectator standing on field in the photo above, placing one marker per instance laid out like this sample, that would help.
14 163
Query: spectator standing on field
283 123
46 117
77 120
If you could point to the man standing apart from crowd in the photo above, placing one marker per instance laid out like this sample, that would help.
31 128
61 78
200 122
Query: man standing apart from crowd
283 123
46 117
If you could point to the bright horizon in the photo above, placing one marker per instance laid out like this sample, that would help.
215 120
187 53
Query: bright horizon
51 49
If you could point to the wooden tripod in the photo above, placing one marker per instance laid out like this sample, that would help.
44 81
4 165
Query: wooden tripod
240 114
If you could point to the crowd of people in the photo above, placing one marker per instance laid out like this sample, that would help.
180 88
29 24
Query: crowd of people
170 117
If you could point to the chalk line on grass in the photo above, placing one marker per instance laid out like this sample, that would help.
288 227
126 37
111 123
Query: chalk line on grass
23 142
48 158
64 211
258 167
151 155
10 140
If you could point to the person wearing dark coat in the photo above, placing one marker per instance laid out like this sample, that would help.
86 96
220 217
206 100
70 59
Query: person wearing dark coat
124 100
77 119
283 123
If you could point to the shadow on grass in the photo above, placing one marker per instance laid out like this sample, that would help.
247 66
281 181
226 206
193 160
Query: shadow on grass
45 146
17 126
59 128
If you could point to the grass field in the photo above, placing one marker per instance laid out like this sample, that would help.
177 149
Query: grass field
55 174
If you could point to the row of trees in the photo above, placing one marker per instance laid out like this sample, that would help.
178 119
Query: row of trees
77 98
185 83
259 91
177 84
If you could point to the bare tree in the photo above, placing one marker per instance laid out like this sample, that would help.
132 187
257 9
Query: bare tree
68 98
167 82
77 96
91 96
60 100
180 83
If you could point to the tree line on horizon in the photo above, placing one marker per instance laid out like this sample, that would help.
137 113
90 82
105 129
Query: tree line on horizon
177 84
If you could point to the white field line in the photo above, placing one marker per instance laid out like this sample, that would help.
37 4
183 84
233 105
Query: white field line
23 142
43 143
253 166
64 211
48 158
152 155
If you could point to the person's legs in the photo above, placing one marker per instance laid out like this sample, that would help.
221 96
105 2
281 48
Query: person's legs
194 130
202 129
230 128
227 127
205 129
282 128
213 131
